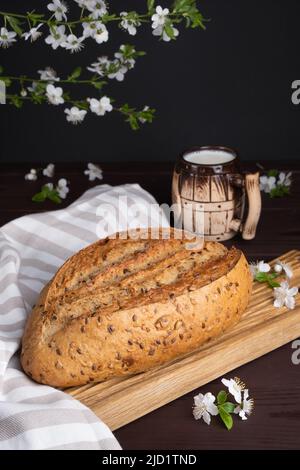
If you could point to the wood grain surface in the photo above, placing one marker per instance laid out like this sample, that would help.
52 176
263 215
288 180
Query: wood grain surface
273 379
261 329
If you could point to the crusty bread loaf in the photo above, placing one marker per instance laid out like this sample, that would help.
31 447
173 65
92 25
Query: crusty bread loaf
122 306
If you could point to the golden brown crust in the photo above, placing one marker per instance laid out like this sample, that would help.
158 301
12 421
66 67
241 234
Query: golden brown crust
121 306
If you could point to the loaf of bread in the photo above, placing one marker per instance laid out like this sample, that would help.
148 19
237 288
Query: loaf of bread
122 306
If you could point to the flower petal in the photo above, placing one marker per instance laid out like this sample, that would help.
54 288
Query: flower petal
278 303
290 302
206 417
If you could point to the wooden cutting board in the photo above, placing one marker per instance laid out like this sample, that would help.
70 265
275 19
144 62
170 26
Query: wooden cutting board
262 329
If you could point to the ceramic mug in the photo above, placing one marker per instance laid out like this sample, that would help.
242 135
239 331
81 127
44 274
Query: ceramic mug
210 193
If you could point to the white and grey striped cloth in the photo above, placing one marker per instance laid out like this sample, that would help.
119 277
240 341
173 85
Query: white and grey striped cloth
32 247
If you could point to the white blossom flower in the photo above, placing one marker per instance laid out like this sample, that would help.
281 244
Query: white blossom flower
143 120
59 9
160 31
129 25
280 266
62 188
284 179
49 185
204 407
73 43
54 94
93 171
101 34
32 175
34 88
159 18
128 62
267 183
245 407
259 267
98 10
119 74
48 75
57 36
23 92
100 107
7 37
75 115
49 170
96 30
284 295
88 4
33 34
100 67
235 387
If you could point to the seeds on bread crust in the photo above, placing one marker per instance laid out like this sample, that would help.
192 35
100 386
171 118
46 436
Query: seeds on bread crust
147 302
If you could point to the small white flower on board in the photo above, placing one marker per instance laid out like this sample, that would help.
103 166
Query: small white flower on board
285 296
235 387
62 188
267 183
259 267
94 172
285 178
204 407
286 268
75 115
32 175
49 170
245 407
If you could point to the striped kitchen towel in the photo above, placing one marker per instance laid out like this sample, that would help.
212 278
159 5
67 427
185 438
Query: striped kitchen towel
32 247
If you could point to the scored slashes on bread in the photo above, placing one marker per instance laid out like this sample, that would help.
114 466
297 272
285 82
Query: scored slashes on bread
122 306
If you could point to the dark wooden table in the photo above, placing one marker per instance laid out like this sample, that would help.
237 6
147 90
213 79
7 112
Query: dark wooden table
273 380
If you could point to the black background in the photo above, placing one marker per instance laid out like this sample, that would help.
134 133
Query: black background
230 85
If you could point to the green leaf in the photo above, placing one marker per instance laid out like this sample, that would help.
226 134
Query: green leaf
132 119
99 84
228 407
15 24
16 101
268 278
273 283
280 191
273 172
34 17
221 397
54 197
169 30
150 5
6 80
261 277
75 74
226 418
39 197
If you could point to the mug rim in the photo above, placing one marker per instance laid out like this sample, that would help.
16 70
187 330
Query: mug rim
198 148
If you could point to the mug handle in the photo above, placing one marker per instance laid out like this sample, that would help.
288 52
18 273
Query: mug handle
254 205
250 181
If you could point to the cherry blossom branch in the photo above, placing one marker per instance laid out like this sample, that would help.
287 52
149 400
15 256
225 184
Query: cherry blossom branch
91 24
79 108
